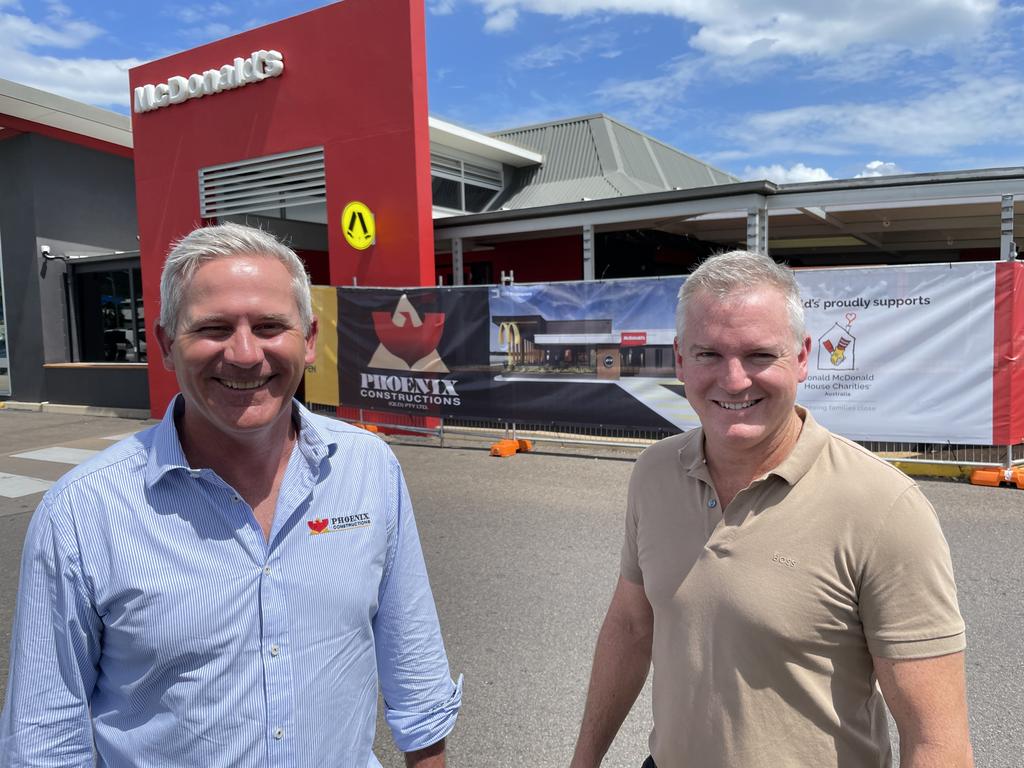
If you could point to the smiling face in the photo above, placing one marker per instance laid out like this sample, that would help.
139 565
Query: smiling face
239 352
741 367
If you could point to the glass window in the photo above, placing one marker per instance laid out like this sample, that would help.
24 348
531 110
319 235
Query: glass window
110 319
461 185
446 193
477 198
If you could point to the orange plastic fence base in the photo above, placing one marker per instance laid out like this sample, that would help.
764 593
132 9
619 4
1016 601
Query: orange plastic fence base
504 448
367 427
996 476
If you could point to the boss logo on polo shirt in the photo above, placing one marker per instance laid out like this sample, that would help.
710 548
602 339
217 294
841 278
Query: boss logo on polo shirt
789 562
335 524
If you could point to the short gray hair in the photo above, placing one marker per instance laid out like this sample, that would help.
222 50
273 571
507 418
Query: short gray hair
725 274
223 241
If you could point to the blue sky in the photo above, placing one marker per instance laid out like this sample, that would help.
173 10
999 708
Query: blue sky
793 90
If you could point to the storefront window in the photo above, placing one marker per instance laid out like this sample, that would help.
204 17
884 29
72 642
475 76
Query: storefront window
110 318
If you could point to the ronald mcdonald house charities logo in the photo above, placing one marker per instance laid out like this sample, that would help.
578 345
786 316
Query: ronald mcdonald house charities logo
408 342
837 347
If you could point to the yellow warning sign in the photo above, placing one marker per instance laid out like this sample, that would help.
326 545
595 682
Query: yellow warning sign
358 224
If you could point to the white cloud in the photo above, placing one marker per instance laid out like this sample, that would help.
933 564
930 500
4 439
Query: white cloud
198 14
780 175
441 7
879 168
103 82
545 56
651 103
501 20
756 29
969 112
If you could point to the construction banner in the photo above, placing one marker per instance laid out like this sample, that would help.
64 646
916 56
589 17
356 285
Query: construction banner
898 353
902 353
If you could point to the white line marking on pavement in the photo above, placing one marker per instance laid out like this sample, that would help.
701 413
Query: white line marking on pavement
15 486
58 455
116 438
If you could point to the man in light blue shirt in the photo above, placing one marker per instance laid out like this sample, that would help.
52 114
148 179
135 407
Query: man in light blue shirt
230 587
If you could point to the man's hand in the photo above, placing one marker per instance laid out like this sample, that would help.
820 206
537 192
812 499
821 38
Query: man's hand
428 757
928 701
621 662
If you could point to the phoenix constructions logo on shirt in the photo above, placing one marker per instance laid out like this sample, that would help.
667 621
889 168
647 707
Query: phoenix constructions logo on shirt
335 524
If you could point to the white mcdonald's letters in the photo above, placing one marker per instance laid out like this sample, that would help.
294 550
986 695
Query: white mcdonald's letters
259 66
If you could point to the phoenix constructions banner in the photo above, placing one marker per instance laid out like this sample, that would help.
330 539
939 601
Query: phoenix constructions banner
926 353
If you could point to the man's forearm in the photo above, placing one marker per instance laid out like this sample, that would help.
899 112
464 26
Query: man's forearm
621 662
428 757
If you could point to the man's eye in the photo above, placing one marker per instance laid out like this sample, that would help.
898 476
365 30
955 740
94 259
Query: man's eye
764 358
706 356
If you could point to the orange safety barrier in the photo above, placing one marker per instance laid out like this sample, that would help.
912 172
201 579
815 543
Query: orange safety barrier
504 448
997 476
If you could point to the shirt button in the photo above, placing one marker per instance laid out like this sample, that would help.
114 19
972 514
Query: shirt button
266 570
712 503
274 649
279 733
236 499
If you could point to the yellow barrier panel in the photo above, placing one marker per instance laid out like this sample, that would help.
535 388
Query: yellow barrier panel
322 377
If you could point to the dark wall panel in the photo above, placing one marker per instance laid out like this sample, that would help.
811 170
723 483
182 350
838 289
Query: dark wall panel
21 269
121 387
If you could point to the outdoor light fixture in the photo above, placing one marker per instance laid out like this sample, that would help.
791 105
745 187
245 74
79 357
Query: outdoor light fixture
44 251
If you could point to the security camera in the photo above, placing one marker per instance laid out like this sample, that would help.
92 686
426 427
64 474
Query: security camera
45 250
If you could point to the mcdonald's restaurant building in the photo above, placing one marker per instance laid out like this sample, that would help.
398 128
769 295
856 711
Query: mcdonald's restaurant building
262 128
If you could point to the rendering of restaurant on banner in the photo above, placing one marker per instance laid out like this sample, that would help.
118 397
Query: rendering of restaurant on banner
898 353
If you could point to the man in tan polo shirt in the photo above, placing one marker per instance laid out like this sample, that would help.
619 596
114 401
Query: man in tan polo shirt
782 579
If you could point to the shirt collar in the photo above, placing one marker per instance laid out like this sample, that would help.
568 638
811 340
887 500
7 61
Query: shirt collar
808 446
166 454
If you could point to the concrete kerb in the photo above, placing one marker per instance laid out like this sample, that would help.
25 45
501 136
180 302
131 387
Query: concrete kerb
76 410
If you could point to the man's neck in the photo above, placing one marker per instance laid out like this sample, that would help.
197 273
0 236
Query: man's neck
733 470
239 459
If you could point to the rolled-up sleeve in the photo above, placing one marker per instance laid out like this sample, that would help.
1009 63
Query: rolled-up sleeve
55 649
421 701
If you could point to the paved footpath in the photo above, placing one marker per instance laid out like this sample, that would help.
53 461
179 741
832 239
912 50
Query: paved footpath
523 556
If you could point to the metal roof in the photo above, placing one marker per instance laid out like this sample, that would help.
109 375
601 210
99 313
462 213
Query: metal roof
31 104
596 157
447 134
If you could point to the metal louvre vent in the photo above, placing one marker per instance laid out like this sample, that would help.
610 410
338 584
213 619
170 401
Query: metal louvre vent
263 183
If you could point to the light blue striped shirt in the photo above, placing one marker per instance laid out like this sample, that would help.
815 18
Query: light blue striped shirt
156 623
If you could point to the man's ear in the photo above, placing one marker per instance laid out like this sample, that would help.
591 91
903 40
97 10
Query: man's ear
314 329
165 341
677 358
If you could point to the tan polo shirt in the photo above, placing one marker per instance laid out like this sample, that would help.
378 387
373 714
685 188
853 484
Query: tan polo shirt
766 614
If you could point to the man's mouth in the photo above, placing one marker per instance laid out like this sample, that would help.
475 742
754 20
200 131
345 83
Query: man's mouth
737 406
242 384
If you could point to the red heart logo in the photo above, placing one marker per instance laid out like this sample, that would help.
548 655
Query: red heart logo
317 526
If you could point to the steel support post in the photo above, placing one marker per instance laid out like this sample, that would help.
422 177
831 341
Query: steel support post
757 229
1007 247
457 261
588 251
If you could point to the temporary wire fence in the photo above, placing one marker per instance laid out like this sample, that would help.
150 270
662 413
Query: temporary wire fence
612 436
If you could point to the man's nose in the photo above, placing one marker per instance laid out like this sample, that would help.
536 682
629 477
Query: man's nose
243 348
734 375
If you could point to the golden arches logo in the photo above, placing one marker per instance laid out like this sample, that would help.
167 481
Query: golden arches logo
508 334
